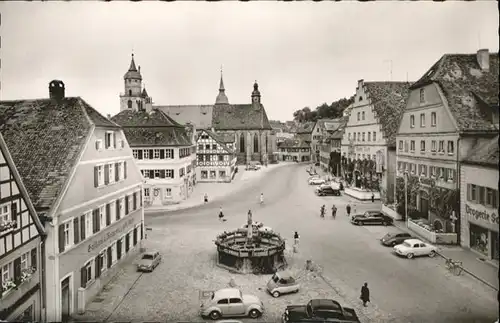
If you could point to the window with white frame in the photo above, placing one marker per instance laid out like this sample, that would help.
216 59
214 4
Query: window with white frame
104 260
4 214
156 153
110 139
168 193
87 273
8 272
451 175
369 136
102 216
169 153
156 173
25 260
363 136
412 121
400 145
146 192
422 120
451 148
67 234
374 136
349 136
359 116
423 171
122 171
363 115
145 153
114 256
441 146
100 175
169 173
412 145
111 170
441 172
433 171
122 207
88 224
413 168
433 146
422 145
433 119
112 211
354 136
422 95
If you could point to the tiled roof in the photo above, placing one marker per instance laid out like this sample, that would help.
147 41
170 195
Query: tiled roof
293 143
199 115
306 127
462 81
155 118
389 102
338 134
240 117
45 139
222 139
486 154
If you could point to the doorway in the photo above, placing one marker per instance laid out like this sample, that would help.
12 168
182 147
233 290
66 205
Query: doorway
495 252
424 207
65 299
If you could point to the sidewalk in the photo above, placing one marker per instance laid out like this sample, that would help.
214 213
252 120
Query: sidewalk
217 191
484 271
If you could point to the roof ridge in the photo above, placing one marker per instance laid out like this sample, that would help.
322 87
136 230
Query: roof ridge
81 104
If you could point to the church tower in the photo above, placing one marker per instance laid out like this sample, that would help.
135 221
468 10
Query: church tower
133 97
256 95
221 97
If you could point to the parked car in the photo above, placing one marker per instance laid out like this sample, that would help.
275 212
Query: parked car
253 166
414 248
316 181
392 239
149 261
319 310
282 283
371 217
231 302
313 176
327 191
316 164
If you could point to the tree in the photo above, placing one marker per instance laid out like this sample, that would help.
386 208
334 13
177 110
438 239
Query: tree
334 110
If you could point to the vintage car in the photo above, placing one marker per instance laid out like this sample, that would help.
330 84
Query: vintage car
316 181
414 248
392 239
371 217
326 190
231 302
149 261
319 310
282 283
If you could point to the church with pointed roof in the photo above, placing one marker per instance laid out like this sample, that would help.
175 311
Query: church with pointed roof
255 139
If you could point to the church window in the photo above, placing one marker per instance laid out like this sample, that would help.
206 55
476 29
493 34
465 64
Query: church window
255 143
129 92
242 143
129 104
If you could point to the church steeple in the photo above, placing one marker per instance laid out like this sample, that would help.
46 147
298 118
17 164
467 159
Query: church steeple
255 93
133 73
221 97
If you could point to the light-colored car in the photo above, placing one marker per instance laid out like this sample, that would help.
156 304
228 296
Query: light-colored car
317 181
414 248
231 302
282 283
312 177
149 261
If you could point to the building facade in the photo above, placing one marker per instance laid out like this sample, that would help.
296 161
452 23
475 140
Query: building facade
368 142
21 237
330 144
85 186
304 133
479 200
216 159
295 150
255 138
165 153
452 108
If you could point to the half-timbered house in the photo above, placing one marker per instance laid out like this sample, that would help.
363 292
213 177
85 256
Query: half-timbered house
21 234
216 158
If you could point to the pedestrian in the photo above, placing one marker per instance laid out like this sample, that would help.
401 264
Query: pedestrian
354 209
221 215
334 211
365 294
373 198
296 238
348 209
205 198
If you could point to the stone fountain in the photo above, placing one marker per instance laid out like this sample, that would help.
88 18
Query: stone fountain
250 250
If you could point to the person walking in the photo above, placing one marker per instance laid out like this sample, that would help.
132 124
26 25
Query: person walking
296 242
322 211
353 209
221 214
205 198
373 198
348 209
365 294
334 211
261 198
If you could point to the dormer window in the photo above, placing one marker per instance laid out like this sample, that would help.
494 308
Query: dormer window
422 95
110 141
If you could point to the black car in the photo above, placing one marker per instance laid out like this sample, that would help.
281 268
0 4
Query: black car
392 239
371 217
327 191
319 310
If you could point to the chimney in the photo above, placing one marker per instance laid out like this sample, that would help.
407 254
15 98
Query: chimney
56 90
483 59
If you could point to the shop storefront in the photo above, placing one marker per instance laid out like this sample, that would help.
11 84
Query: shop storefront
483 231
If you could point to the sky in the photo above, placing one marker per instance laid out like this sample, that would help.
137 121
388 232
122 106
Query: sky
301 53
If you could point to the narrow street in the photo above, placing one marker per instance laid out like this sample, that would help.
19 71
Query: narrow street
402 290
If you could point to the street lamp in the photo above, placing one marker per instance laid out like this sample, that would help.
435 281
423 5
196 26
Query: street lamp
406 196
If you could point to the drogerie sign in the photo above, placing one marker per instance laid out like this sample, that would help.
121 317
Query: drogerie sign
110 234
472 213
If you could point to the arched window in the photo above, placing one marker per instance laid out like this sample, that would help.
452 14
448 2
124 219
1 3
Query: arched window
242 143
129 92
255 143
129 104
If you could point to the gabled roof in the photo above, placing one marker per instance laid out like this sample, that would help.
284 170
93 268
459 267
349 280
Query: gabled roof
389 102
462 81
240 117
4 150
293 143
151 129
221 139
45 139
330 124
306 127
485 154
199 115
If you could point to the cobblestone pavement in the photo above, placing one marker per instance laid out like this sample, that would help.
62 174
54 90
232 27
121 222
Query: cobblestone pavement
402 290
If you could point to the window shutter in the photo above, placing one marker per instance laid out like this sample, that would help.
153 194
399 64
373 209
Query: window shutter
162 173
124 169
173 174
127 242
76 231
97 219
13 211
126 204
61 237
82 227
142 231
106 174
17 270
108 214
162 154
151 154
140 198
135 236
34 258
1 284
117 208
114 140
97 266
135 201
119 249
139 154
97 145
96 178
110 257
83 277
